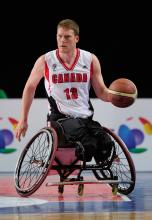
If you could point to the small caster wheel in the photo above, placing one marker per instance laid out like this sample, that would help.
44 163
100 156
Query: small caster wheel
114 189
80 189
60 189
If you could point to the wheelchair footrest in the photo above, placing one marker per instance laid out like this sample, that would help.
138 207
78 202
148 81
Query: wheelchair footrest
88 182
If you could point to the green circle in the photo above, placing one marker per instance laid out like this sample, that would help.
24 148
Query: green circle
3 94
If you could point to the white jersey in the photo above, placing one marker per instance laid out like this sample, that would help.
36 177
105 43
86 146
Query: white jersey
69 87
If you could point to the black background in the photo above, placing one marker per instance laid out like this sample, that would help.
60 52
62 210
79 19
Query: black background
119 35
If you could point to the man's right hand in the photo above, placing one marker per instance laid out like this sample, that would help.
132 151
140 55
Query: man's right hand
21 130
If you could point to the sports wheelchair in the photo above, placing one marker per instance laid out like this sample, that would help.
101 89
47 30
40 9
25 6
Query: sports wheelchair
48 151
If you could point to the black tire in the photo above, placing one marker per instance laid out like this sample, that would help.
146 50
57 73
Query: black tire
121 166
35 162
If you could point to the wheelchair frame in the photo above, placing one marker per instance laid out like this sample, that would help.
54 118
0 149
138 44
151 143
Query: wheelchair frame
43 154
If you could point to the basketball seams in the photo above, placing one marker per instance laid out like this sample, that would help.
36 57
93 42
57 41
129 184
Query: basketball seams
133 95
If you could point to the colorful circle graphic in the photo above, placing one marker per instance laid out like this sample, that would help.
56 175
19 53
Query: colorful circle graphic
133 137
7 135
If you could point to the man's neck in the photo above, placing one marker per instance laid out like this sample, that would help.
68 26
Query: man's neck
69 57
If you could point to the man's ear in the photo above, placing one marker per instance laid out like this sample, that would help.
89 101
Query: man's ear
77 38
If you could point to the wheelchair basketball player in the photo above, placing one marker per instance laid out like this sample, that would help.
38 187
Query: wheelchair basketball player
68 73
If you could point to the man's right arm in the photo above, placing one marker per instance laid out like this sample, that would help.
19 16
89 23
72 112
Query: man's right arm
28 95
97 81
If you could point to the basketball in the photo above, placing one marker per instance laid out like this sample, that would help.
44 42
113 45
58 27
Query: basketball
122 93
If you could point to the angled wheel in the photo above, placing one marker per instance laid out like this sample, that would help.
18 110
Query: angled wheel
35 161
119 165
122 166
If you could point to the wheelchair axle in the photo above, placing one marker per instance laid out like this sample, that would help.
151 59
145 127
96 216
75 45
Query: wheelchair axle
88 182
81 183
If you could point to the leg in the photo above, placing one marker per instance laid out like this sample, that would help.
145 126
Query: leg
95 140
76 130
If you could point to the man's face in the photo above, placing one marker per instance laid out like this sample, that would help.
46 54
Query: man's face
66 39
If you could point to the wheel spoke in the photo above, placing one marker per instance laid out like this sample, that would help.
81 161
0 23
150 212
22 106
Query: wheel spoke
31 168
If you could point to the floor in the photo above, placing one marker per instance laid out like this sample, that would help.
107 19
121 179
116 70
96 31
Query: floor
97 202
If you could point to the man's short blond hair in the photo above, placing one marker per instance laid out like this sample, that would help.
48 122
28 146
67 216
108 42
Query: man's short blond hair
69 24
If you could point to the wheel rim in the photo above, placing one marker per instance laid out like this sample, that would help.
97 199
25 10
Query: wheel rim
34 161
122 166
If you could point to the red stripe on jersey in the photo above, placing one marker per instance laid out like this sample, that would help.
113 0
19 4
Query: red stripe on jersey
91 70
46 72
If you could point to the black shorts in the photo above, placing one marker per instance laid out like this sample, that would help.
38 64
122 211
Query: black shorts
95 140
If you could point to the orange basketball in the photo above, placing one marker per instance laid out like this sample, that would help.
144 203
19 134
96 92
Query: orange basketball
122 92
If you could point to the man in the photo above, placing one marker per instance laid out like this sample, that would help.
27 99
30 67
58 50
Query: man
69 72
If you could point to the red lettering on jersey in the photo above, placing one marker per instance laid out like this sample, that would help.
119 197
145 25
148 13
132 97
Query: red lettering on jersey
84 77
54 78
69 77
60 78
66 77
78 77
72 78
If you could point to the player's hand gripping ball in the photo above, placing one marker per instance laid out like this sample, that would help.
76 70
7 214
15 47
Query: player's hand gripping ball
122 93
